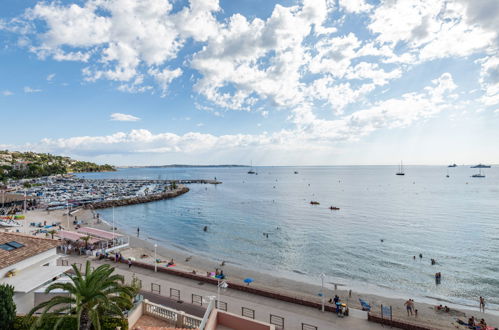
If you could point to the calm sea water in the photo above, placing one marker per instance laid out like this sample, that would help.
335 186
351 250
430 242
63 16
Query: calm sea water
454 220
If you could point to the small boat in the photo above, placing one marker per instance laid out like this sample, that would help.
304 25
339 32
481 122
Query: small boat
334 208
481 166
314 203
452 165
251 170
401 170
478 175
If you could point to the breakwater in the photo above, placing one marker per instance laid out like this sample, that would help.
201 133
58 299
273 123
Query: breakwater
138 199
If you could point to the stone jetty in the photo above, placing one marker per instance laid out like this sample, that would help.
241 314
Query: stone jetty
138 199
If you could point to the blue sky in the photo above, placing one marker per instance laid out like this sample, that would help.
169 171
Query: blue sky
312 82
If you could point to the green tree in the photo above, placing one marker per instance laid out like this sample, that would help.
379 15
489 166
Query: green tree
7 307
52 233
86 239
93 295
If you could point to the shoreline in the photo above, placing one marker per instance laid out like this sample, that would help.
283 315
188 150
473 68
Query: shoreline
292 287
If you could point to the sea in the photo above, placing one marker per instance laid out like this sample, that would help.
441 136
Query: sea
265 222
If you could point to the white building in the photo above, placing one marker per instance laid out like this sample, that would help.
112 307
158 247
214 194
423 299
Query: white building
28 263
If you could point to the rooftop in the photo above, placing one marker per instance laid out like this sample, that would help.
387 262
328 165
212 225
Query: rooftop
31 247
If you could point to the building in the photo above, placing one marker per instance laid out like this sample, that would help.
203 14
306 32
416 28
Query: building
28 263
147 315
21 165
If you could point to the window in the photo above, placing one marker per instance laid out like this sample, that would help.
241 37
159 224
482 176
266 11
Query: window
7 247
11 246
15 244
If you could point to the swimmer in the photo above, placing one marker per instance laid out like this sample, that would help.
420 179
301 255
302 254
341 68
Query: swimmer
205 228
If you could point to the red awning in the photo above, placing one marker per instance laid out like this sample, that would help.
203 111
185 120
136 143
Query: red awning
99 233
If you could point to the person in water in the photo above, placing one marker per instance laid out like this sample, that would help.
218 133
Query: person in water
433 261
482 304
205 228
420 256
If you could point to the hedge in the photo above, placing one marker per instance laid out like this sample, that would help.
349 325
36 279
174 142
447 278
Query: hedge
68 322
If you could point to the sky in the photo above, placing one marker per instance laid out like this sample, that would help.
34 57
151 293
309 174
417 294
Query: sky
311 82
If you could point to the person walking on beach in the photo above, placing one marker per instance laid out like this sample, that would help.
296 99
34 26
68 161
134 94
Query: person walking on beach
408 307
482 304
138 231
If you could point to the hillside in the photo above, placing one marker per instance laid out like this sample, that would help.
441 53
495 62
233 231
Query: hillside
19 165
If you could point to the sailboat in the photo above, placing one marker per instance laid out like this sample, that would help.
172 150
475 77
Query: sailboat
401 170
251 170
479 174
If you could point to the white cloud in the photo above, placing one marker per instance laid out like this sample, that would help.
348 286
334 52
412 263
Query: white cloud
51 77
123 117
28 89
434 28
355 6
489 80
6 93
310 133
164 77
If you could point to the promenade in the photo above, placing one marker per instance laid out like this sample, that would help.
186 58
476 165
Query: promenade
294 317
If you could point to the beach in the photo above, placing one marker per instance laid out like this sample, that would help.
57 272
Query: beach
184 261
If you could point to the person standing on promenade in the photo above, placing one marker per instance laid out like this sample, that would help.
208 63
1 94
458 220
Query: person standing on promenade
129 263
482 304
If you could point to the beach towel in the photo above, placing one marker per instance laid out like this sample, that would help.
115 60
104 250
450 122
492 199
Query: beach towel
365 305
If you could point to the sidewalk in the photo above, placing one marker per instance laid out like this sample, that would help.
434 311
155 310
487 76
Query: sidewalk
295 317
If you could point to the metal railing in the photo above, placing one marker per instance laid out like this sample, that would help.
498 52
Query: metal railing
174 294
221 305
248 312
278 321
155 288
197 299
305 326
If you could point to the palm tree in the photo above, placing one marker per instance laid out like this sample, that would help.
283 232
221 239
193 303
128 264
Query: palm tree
86 239
52 233
91 295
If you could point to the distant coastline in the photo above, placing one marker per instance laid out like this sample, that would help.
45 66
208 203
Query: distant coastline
180 165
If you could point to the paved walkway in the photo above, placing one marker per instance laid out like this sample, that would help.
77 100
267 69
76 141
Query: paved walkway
296 317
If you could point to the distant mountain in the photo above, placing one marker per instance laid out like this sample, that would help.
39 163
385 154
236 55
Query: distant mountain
181 165
22 165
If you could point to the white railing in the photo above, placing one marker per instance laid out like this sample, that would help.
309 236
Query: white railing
174 317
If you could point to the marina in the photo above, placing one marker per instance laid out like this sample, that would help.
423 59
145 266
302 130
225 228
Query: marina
53 193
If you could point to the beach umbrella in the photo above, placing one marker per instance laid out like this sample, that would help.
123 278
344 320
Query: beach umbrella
248 280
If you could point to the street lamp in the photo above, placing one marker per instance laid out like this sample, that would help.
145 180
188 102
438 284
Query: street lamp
155 263
322 290
113 225
67 213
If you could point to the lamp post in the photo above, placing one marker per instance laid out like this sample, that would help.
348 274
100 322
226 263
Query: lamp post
155 263
322 289
24 222
67 213
221 285
113 225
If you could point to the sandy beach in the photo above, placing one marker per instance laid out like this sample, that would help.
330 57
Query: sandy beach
140 246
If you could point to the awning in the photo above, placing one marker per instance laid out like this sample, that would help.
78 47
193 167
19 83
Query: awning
31 278
99 233
74 236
